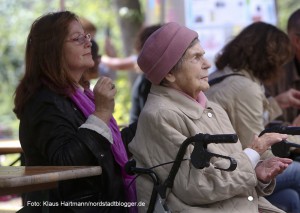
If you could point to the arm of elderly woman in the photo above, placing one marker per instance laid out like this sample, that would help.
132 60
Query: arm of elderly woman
192 185
268 169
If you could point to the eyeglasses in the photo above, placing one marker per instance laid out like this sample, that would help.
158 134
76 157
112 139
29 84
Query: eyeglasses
81 39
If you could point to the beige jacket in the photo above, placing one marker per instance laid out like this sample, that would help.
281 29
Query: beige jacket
168 118
290 79
244 100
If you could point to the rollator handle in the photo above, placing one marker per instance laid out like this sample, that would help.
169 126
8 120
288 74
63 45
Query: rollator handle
200 157
289 130
203 140
282 149
222 138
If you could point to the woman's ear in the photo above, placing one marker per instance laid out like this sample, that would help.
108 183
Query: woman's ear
295 41
170 77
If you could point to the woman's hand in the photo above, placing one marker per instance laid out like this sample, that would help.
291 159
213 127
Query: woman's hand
104 92
296 121
262 143
268 169
290 98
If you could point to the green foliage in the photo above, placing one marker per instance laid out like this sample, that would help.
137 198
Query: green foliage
16 17
285 9
122 104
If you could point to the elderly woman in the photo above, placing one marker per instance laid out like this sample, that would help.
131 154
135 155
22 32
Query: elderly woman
241 93
64 124
173 60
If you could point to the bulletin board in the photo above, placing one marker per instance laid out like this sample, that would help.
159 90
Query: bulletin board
216 21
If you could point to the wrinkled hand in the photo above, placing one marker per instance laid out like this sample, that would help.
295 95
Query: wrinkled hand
104 92
270 168
290 98
262 143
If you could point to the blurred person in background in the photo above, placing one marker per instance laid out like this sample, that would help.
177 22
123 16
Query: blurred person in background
93 72
255 57
290 80
88 26
141 86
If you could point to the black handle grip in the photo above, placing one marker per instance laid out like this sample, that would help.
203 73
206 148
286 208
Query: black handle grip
289 130
222 138
282 149
199 138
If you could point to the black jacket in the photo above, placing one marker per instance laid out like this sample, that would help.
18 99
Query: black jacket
140 91
50 135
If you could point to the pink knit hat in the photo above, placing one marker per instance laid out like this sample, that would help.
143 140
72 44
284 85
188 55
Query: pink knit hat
163 49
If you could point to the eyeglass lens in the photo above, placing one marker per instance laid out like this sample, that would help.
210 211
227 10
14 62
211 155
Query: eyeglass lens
83 38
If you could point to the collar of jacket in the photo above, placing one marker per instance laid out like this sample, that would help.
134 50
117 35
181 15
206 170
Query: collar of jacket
177 99
248 74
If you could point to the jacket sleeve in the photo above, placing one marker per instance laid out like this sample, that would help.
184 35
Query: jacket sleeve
251 114
195 186
249 109
54 125
274 110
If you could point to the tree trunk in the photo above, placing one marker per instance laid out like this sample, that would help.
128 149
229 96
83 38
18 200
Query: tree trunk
130 21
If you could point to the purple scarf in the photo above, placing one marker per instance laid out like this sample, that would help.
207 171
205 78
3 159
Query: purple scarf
85 102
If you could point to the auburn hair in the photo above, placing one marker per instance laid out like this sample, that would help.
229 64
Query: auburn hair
44 58
261 49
